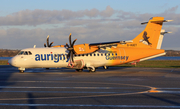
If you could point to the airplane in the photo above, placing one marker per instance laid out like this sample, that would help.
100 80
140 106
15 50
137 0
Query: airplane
144 46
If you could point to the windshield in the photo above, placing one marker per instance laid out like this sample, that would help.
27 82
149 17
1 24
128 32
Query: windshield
21 52
25 53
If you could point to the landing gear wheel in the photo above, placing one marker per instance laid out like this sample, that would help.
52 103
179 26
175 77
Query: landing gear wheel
92 70
79 70
21 71
105 67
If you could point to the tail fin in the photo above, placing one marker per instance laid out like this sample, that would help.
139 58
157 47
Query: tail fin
149 37
161 38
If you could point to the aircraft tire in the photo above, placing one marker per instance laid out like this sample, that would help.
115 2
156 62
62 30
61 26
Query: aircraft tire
92 70
79 70
21 71
105 67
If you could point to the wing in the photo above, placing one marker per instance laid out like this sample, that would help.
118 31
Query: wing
109 44
93 47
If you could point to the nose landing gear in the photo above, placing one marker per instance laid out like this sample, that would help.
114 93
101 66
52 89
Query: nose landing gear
21 70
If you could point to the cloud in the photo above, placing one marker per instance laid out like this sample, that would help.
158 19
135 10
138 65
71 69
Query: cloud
38 16
91 13
87 26
108 12
172 10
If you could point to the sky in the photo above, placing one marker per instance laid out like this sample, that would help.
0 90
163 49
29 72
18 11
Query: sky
25 23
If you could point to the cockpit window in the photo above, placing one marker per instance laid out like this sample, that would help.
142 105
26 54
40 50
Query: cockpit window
21 53
29 53
25 53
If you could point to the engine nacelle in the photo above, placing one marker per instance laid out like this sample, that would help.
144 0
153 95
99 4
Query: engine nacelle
84 48
77 64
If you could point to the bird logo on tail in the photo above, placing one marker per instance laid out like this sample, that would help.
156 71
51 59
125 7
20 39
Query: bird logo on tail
145 39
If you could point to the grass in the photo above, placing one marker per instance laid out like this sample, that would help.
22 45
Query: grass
3 62
156 64
147 63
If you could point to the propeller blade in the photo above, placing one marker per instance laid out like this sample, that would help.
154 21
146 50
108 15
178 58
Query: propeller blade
44 44
51 44
72 57
48 41
70 39
68 55
73 43
67 45
70 49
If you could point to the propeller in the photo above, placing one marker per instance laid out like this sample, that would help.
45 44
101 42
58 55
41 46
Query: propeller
48 45
70 48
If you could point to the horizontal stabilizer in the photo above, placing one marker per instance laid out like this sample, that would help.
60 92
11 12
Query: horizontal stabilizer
162 33
157 21
154 56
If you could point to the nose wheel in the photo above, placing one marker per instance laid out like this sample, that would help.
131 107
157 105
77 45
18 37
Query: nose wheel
21 70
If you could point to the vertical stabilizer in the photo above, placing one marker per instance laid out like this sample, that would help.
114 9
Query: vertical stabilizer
151 36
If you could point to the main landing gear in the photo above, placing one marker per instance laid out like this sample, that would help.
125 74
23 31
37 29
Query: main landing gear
91 69
79 70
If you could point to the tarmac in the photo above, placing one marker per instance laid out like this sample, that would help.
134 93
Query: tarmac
116 87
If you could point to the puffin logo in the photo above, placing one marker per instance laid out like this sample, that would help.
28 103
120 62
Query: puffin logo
145 39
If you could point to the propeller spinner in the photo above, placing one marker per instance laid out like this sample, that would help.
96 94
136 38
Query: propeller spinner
70 48
48 45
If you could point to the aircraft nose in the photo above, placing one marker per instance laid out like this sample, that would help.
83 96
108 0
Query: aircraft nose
12 62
